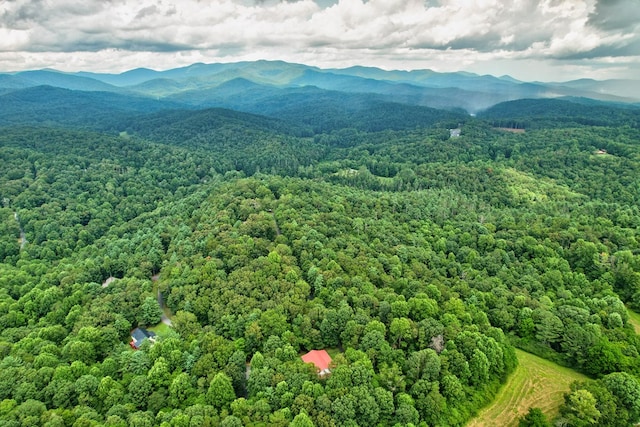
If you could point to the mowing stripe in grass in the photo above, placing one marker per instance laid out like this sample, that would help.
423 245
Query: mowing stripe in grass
536 382
634 319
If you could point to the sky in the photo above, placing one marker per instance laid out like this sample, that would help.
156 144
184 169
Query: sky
548 40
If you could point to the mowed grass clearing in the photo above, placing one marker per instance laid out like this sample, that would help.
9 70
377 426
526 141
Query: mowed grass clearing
161 329
536 382
634 319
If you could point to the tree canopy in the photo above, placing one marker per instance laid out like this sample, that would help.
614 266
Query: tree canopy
417 260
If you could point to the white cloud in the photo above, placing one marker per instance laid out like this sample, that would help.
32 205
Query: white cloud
122 34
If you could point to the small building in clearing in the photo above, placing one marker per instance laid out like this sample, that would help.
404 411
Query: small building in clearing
321 360
138 335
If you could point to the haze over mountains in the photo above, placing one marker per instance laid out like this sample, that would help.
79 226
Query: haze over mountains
266 86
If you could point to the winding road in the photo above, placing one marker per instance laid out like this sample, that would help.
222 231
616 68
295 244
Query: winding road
163 307
23 237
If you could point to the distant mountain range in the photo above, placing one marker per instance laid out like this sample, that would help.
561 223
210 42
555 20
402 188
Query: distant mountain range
280 88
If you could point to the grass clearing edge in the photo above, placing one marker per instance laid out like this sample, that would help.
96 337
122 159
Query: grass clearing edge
536 382
634 319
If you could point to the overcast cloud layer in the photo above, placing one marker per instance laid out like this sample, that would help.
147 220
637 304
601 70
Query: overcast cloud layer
532 40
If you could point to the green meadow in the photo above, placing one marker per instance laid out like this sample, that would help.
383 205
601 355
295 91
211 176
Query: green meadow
536 382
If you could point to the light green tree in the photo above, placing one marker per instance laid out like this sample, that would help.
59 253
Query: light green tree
220 393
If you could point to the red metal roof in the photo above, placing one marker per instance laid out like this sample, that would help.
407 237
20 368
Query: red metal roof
320 358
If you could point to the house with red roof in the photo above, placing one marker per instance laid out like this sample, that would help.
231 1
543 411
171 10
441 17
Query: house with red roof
321 360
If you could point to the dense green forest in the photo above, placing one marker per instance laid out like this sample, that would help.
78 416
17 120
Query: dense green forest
420 261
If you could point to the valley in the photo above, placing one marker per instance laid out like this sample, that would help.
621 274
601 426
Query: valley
253 212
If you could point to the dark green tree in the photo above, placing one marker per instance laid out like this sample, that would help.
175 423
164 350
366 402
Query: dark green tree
534 418
150 311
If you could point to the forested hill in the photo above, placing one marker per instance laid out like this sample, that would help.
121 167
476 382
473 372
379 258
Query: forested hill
323 110
197 84
546 113
50 105
419 247
305 111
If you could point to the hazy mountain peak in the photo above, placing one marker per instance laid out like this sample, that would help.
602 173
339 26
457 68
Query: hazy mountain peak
465 90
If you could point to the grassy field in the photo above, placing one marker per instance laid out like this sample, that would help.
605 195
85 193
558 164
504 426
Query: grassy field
634 319
536 382
161 329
